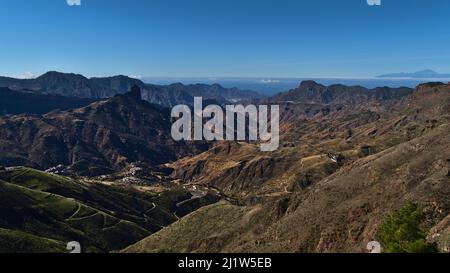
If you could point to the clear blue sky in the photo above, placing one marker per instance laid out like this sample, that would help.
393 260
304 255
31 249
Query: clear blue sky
224 38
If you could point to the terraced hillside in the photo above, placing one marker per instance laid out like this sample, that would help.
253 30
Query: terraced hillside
41 212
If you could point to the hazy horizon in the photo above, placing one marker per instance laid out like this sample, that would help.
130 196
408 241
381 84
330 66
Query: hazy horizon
270 85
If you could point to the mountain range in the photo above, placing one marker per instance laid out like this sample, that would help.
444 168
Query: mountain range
344 166
314 93
348 157
96 139
75 85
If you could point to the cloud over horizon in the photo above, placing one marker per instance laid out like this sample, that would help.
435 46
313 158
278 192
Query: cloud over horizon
25 75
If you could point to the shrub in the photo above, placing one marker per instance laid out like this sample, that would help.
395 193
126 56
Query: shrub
401 231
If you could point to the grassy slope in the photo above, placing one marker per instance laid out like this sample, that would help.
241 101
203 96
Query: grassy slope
37 208
205 230
17 241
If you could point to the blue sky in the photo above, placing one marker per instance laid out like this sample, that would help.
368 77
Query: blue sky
224 38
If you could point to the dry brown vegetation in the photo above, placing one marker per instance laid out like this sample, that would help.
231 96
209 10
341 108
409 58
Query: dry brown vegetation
388 151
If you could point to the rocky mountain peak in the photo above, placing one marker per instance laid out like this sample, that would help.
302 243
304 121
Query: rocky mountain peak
55 77
135 93
310 85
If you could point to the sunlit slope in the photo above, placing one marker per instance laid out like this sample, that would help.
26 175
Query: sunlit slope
37 208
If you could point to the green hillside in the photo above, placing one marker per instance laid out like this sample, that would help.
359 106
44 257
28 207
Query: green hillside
41 212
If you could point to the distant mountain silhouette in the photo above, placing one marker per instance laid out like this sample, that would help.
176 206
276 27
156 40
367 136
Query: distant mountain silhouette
312 92
75 85
64 84
424 74
20 102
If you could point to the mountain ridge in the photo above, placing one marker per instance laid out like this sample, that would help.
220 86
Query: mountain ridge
348 157
313 92
20 102
77 85
100 138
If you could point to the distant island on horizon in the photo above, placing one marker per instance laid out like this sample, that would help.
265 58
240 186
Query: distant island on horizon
424 74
